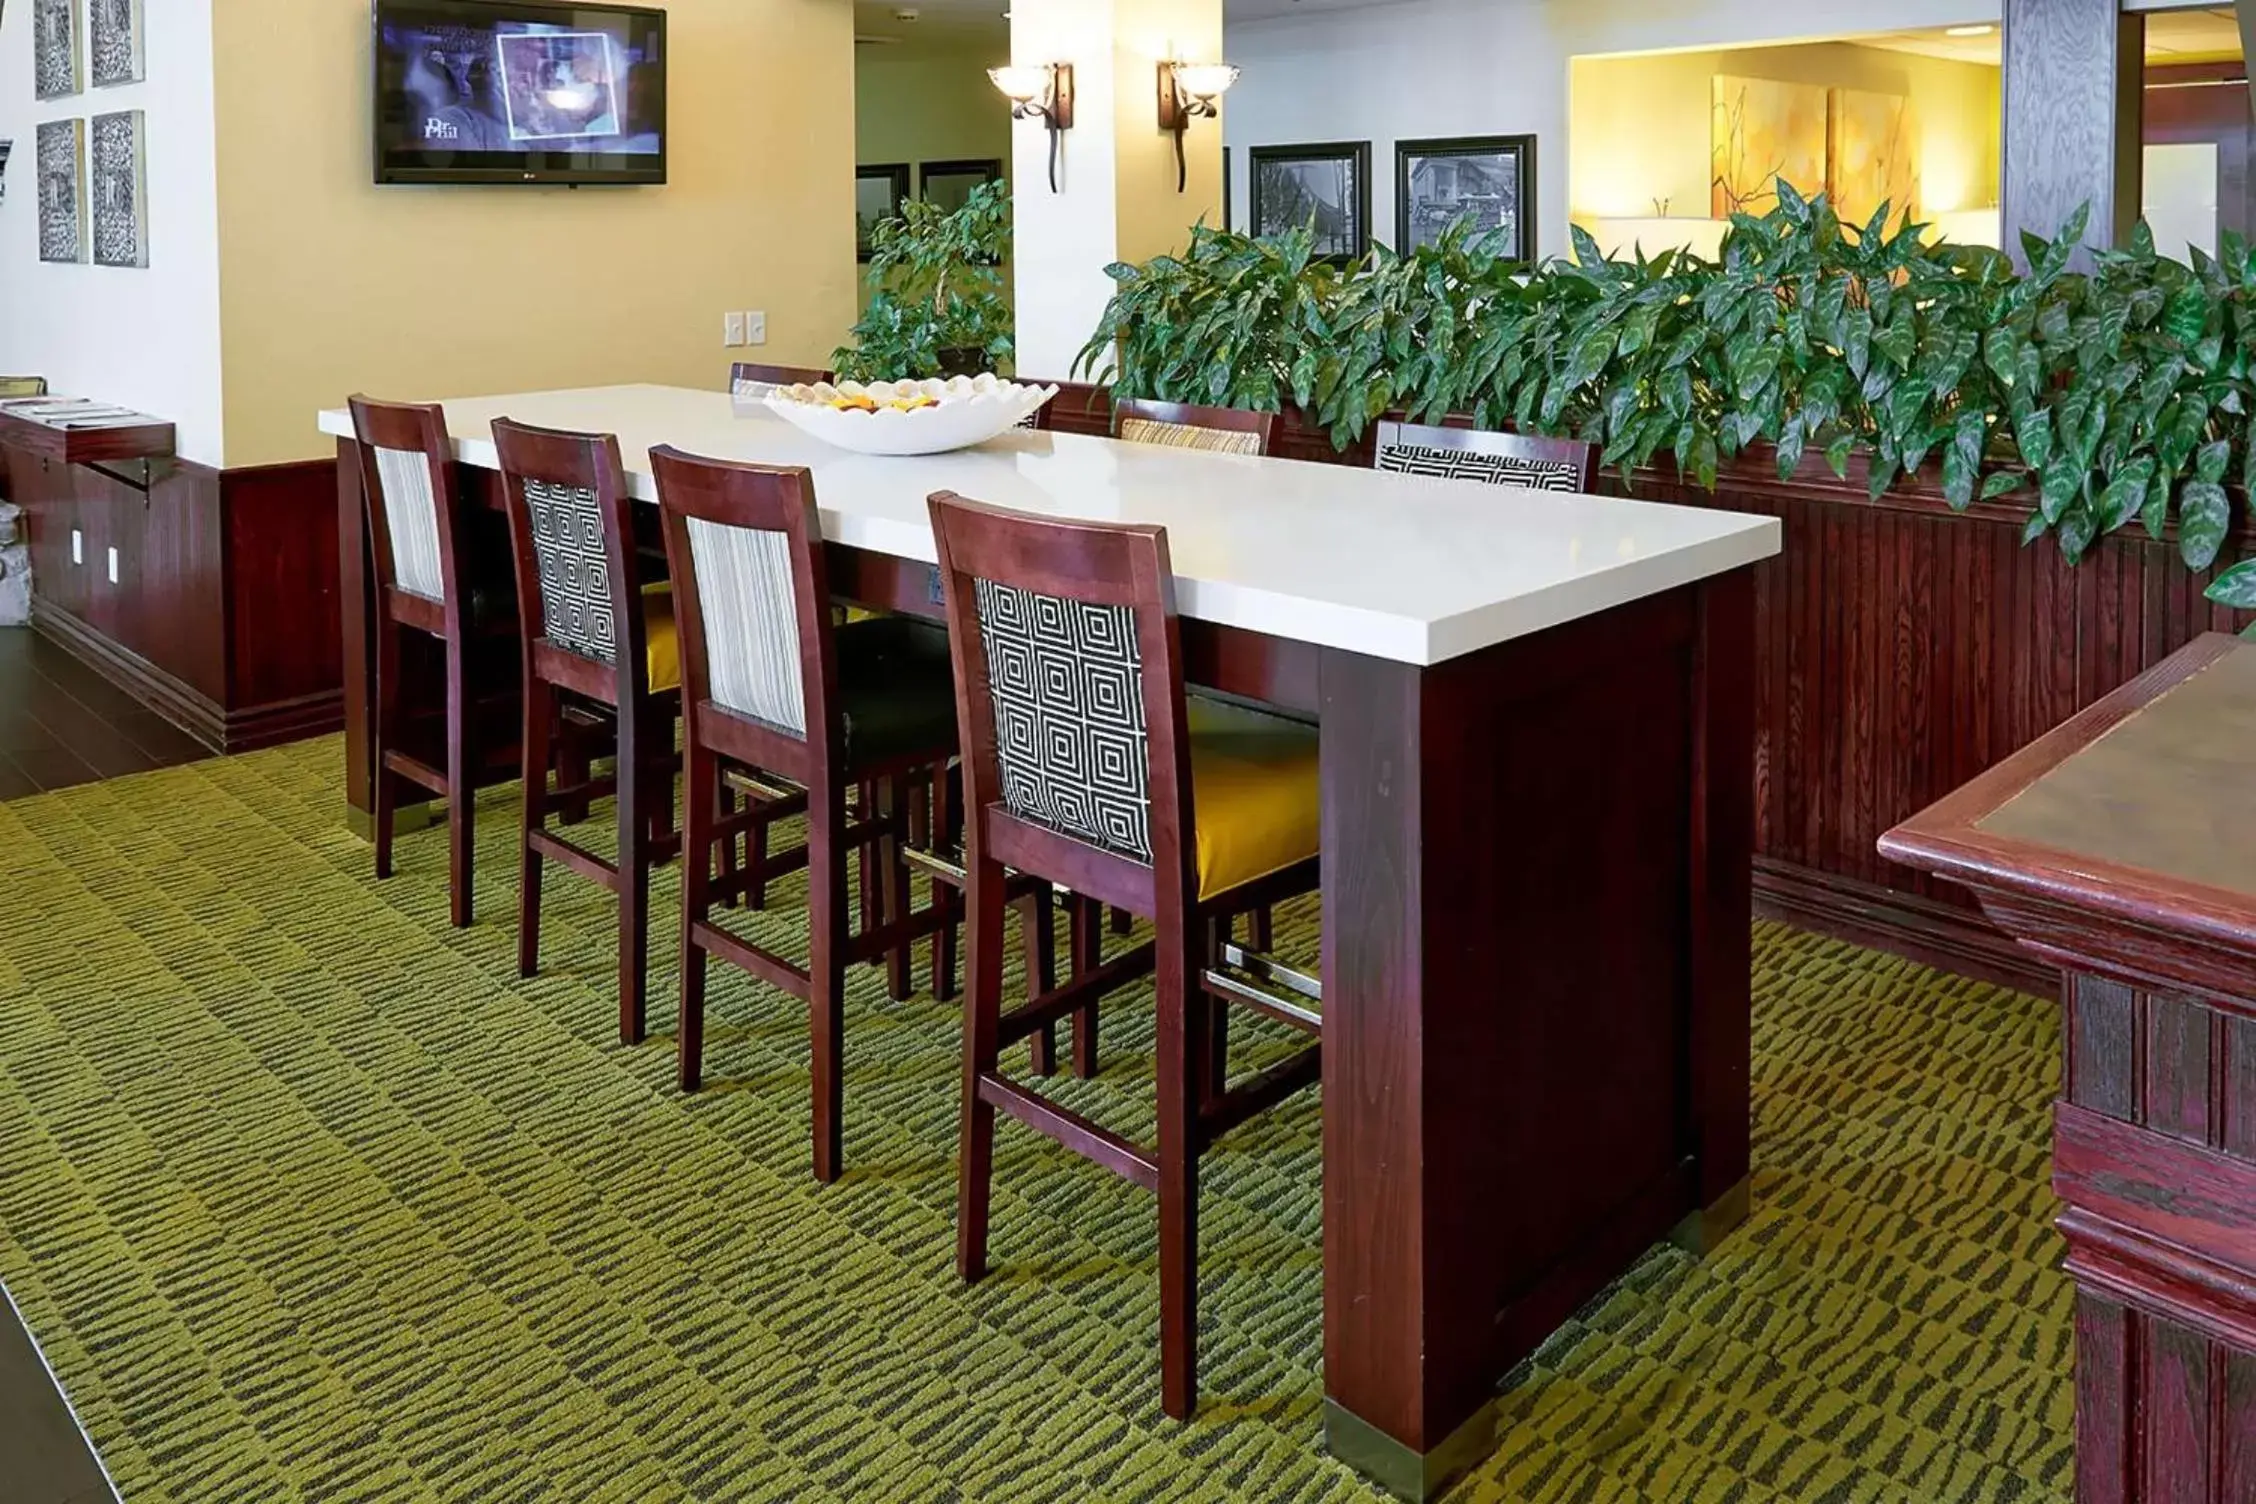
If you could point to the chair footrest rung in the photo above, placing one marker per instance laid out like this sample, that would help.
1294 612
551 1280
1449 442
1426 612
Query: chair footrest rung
1073 996
1267 968
1129 1160
1233 989
769 968
585 863
1260 1093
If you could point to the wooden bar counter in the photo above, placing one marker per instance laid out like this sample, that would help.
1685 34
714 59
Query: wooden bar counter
1537 782
2122 849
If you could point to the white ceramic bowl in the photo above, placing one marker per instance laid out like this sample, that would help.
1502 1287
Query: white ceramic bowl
967 410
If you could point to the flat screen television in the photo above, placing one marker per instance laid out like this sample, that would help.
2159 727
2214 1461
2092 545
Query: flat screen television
516 91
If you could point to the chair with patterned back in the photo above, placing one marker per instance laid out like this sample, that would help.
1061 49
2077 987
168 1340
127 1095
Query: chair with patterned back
775 688
1084 763
1180 425
591 633
416 547
750 382
1499 459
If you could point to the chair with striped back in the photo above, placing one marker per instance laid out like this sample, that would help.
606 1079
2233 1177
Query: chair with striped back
1085 764
1499 459
776 688
594 636
416 546
750 382
1179 425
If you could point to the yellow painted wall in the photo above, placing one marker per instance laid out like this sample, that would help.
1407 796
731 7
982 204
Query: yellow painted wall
1639 126
924 104
1156 216
330 285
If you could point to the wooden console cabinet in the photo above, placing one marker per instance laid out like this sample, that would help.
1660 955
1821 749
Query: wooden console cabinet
208 595
2121 848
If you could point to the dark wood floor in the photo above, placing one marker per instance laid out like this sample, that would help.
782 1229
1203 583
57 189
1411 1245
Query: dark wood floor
46 1457
61 724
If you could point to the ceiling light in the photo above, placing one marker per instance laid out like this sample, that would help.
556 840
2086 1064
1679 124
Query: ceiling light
1969 31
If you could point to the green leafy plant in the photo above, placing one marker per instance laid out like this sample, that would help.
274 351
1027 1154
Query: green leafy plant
2115 395
936 303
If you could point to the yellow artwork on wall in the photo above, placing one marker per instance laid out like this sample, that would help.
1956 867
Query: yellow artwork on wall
1762 131
1874 155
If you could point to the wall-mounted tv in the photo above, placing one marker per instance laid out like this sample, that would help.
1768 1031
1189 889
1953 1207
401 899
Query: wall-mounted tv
516 91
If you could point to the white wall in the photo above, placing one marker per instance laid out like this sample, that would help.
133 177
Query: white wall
1383 73
146 338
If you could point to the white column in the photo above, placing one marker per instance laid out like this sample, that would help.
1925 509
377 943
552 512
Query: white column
1116 198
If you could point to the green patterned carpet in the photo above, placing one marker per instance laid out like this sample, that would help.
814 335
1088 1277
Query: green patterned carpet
308 1198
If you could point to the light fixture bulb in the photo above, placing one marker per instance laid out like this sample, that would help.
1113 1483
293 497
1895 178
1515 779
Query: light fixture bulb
1205 81
1020 84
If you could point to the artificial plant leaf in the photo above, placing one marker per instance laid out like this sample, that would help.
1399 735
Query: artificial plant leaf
2203 518
1999 482
2236 587
2210 462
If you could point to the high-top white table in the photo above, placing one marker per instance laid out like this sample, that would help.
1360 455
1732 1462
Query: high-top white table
1537 722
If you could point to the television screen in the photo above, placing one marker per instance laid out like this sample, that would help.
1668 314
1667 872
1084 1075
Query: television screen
491 91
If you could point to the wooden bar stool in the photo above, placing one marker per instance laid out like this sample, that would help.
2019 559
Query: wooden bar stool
752 381
1084 763
417 547
1182 425
602 637
775 686
1498 459
1216 430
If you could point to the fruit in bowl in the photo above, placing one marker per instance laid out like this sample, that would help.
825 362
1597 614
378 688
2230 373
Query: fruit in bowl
909 417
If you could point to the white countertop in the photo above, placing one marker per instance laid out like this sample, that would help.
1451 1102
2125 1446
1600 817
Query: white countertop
1395 566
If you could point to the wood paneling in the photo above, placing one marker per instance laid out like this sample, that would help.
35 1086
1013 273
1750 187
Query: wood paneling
2072 94
1901 648
223 618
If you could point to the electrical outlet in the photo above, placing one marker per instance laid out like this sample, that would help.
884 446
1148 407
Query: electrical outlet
78 546
755 327
113 566
732 329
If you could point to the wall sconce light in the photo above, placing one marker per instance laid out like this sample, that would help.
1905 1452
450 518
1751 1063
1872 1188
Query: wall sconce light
1041 92
1188 92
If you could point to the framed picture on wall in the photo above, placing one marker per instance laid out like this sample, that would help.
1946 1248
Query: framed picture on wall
879 191
54 48
1225 187
1489 180
945 185
1325 186
114 42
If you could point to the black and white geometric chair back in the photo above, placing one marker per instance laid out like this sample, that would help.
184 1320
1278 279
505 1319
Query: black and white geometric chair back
1066 684
1498 459
749 600
579 612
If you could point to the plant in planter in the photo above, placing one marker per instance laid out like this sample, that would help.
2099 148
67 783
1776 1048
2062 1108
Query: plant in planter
2106 397
936 305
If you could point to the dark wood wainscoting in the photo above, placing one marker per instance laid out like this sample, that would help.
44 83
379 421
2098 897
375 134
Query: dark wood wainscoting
1902 648
223 615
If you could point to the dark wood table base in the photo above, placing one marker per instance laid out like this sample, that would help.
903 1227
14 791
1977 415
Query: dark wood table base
1537 975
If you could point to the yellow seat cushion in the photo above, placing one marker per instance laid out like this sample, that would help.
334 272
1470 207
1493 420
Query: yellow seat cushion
660 641
1254 793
